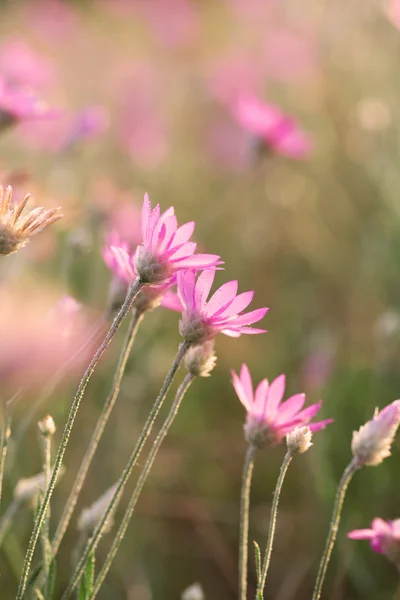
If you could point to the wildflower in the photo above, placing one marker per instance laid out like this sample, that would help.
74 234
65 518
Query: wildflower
15 230
299 440
384 536
21 104
268 419
165 249
201 360
47 427
202 320
371 443
90 517
279 132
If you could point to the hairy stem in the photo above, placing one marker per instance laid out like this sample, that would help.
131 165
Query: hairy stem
272 523
98 432
244 520
334 526
126 307
91 547
141 481
46 549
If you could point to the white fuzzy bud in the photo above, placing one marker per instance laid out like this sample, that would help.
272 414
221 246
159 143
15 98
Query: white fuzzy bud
91 516
299 440
193 592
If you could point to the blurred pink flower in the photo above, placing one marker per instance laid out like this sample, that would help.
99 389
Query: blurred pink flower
202 320
384 537
279 132
21 104
165 249
289 55
371 444
268 419
174 22
52 20
392 10
20 66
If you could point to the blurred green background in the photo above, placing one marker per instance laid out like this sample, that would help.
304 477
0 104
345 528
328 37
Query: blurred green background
318 239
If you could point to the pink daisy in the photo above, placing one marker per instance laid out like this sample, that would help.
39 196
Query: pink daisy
166 249
223 313
268 418
278 131
384 537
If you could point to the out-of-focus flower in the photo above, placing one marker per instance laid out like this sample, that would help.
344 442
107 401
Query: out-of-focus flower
277 131
392 10
28 488
193 592
268 418
373 114
201 360
90 517
52 20
46 426
174 22
165 250
223 313
372 442
15 229
20 66
384 537
20 105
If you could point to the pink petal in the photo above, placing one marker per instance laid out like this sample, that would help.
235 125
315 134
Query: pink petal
261 398
171 301
183 233
246 400
146 212
186 281
245 378
170 228
203 287
221 297
307 414
239 303
251 317
361 534
182 252
382 527
290 407
199 261
233 332
275 395
319 425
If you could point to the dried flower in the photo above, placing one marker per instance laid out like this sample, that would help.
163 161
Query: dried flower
299 440
90 517
28 488
371 443
47 427
193 592
384 536
201 360
202 320
15 230
268 419
279 132
165 249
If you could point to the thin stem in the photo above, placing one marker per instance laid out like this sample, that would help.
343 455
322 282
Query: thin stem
272 522
98 432
94 540
334 526
46 549
7 519
244 520
5 436
141 481
126 307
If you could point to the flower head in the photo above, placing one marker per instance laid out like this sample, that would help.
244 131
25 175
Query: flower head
299 440
201 360
165 250
371 443
267 122
384 536
202 320
268 418
16 230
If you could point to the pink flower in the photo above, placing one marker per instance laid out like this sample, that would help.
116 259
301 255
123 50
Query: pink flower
20 104
166 249
278 131
268 419
223 313
384 536
21 66
372 442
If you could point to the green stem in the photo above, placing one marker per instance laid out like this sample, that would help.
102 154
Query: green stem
126 307
272 523
334 526
5 436
7 519
46 549
98 432
244 520
141 481
94 540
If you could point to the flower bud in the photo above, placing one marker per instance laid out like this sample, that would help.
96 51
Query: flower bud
193 592
47 426
91 516
371 443
299 440
200 360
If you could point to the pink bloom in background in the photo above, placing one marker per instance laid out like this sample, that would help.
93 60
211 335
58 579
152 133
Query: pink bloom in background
268 418
21 104
165 250
290 55
202 320
52 20
384 537
20 66
278 131
174 22
392 10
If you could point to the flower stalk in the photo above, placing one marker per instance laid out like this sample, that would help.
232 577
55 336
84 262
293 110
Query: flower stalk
126 307
142 479
334 526
244 520
93 542
70 504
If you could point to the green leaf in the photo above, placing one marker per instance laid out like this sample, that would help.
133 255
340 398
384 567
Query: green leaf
257 552
51 580
86 583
